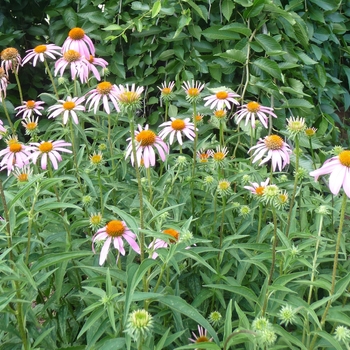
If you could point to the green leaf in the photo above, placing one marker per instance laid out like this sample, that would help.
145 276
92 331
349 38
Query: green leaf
334 344
93 318
113 27
56 258
42 337
228 320
227 8
240 290
268 43
233 55
70 18
178 304
269 66
238 28
196 8
208 346
297 103
216 33
156 8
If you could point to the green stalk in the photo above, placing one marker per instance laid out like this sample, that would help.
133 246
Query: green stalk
273 259
148 172
194 156
335 266
51 78
7 115
19 86
292 200
312 153
110 144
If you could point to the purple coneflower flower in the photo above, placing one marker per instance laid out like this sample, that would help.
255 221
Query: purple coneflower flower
192 89
160 243
252 110
339 169
92 62
256 188
29 107
40 52
68 108
105 91
11 59
177 127
77 40
114 231
48 149
277 151
201 338
221 99
146 141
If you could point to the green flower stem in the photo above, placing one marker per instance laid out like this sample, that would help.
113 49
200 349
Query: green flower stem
101 190
292 200
30 221
166 111
51 78
221 136
19 307
110 143
222 226
335 266
19 87
259 222
7 114
194 156
148 172
312 153
273 259
138 177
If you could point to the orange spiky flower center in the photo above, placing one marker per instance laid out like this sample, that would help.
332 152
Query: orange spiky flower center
203 157
9 54
344 158
15 147
30 104
173 233
68 105
104 88
220 113
202 339
40 49
146 138
193 92
128 97
260 190
273 142
221 95
76 34
218 156
23 177
71 56
166 91
253 107
31 126
46 147
178 124
115 228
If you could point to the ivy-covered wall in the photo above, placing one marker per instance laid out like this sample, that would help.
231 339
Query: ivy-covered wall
293 55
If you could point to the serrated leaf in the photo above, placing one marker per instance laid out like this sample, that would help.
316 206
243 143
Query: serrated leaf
268 43
156 8
70 17
216 33
269 66
297 103
227 8
233 55
238 28
113 27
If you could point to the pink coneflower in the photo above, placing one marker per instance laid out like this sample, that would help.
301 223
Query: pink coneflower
166 90
201 338
339 169
31 125
252 110
193 90
92 62
3 82
48 149
146 141
177 127
29 108
40 52
160 243
203 156
114 231
77 40
129 96
11 59
219 156
256 188
68 108
105 91
78 65
277 151
221 99
14 154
